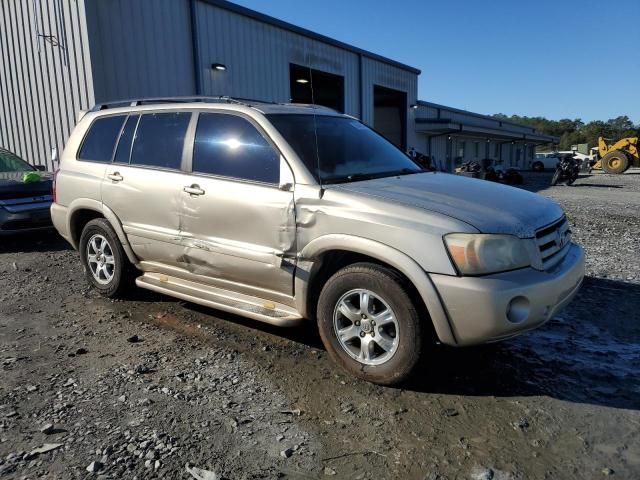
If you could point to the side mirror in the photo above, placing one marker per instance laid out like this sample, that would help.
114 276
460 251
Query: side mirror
41 168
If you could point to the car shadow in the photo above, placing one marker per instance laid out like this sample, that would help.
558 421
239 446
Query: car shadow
43 241
595 185
589 353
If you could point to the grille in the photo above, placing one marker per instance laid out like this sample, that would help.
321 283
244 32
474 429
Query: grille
553 243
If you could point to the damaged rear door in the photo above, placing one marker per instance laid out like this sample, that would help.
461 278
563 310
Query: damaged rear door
143 185
238 211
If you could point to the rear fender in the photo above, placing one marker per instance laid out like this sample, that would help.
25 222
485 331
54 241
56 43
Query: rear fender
89 204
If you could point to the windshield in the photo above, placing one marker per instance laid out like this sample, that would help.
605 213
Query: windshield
347 150
10 162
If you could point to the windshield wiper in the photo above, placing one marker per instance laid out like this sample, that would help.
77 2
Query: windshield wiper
354 177
357 177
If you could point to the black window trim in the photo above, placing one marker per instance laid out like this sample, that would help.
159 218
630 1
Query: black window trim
115 144
135 130
260 130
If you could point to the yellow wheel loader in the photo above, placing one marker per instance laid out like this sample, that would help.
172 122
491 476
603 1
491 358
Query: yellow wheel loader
617 157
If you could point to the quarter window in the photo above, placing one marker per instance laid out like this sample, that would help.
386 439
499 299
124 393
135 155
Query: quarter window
159 139
230 146
99 143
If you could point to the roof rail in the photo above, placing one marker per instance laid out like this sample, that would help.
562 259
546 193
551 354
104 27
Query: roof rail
189 99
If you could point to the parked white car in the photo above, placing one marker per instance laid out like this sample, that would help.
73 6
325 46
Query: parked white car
545 161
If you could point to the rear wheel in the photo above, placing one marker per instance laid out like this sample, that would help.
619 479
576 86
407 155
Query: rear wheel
537 167
615 162
369 324
105 263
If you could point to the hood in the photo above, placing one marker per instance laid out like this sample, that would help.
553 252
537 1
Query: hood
489 207
12 186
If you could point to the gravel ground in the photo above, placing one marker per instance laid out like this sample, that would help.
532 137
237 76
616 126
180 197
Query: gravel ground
151 386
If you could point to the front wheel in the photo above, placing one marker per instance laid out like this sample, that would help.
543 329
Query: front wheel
369 324
537 167
556 177
104 260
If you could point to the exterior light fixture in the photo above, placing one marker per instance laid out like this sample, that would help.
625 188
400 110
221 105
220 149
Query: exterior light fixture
219 66
413 106
302 80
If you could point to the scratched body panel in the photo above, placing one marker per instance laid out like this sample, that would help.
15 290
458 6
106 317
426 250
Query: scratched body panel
241 232
148 203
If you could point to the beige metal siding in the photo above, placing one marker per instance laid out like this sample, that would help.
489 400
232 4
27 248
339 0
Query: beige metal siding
257 56
44 75
140 48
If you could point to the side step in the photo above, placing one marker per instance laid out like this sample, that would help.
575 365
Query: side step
238 303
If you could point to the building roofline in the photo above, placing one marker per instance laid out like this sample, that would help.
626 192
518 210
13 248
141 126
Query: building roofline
473 114
247 12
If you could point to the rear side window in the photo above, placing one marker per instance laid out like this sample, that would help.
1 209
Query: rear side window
159 139
230 146
99 143
124 144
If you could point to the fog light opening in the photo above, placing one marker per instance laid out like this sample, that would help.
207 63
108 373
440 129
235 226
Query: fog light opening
518 310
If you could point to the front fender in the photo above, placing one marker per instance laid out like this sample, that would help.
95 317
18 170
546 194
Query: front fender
386 254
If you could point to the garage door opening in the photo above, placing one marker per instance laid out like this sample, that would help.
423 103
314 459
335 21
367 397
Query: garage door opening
390 115
328 89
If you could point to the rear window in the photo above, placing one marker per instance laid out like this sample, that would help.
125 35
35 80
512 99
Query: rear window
159 139
101 139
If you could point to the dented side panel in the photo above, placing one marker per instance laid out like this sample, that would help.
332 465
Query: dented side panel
147 202
238 231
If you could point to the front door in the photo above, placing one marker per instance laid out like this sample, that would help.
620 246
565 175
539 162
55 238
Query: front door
238 220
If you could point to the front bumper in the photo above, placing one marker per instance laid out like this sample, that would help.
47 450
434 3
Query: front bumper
495 307
24 221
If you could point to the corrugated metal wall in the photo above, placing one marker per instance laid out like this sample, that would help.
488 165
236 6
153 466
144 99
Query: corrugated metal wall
45 75
140 48
61 56
257 56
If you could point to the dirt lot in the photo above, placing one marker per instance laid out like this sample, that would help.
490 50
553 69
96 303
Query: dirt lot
245 400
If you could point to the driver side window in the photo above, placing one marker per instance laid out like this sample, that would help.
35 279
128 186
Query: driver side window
230 146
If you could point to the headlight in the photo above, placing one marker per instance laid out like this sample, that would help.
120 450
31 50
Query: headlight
480 254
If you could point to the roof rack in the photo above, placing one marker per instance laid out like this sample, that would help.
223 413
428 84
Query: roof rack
154 101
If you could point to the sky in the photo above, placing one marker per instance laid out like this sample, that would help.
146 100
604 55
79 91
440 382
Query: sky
551 58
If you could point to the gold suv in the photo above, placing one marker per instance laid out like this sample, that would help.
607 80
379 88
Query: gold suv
285 213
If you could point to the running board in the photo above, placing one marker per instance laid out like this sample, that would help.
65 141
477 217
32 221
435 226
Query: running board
233 302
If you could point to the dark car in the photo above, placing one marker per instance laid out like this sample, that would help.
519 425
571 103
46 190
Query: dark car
25 195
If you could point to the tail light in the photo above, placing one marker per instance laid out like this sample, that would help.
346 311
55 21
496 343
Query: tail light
53 186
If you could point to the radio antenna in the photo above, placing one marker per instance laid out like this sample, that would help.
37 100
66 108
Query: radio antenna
315 122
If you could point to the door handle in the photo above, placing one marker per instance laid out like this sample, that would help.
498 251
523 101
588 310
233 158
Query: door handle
194 190
115 176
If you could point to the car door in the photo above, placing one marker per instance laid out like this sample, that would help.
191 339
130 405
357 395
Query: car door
239 216
143 184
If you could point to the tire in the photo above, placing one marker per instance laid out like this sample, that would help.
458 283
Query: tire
555 178
395 347
537 167
615 162
110 274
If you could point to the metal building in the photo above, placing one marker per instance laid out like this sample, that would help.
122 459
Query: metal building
451 136
61 56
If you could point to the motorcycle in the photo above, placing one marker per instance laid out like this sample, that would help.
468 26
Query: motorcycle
567 171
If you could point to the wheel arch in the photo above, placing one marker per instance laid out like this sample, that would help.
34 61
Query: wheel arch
82 211
325 255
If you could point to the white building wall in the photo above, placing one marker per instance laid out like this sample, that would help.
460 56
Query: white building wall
45 75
